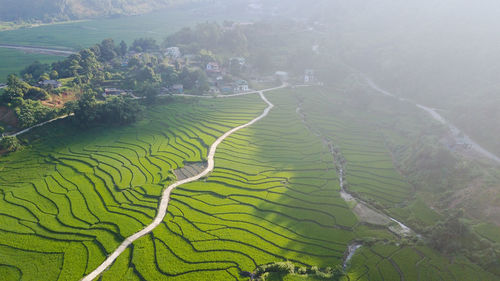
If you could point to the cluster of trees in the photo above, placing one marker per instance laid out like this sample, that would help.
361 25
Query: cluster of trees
148 70
38 71
94 68
264 272
114 110
88 65
9 144
18 91
25 100
210 36
454 236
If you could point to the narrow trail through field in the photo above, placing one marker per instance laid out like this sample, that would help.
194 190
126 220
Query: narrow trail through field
162 208
39 50
38 125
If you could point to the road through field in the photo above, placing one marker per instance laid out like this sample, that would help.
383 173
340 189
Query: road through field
162 208
458 134
39 50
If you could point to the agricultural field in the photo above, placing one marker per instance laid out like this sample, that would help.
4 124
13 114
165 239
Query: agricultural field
77 35
84 33
73 196
70 198
13 61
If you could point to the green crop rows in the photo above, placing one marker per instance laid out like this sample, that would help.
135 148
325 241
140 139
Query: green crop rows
371 175
74 196
71 198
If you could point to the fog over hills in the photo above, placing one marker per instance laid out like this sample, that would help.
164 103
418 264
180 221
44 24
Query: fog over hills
440 53
50 10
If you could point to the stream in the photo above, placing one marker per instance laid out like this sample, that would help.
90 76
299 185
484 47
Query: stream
377 217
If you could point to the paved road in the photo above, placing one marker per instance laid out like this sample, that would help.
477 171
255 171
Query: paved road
162 208
39 50
38 125
457 133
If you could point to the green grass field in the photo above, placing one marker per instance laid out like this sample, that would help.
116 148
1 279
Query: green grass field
81 34
13 61
71 197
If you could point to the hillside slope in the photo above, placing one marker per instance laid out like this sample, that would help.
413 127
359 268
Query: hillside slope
54 10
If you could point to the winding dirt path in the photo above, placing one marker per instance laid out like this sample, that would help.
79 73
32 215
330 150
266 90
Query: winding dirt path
162 208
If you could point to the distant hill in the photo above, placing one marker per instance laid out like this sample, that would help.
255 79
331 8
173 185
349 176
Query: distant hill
57 10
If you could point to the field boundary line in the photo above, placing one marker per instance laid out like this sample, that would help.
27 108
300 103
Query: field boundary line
163 206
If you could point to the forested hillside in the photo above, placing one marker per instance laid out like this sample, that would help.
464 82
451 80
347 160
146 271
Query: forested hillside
443 54
55 10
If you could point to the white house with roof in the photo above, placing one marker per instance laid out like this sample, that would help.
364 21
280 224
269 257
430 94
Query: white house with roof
173 52
241 86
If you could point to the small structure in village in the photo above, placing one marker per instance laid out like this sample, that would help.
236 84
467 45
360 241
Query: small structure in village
227 89
281 75
2 85
173 52
213 90
113 92
309 76
240 86
50 83
124 62
213 67
241 61
178 88
237 87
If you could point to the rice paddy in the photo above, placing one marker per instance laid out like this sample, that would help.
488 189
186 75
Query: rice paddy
67 201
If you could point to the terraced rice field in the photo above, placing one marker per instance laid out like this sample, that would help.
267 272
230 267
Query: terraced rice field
370 172
71 198
74 196
372 176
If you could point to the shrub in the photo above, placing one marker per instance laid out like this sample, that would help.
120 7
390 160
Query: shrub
302 270
10 144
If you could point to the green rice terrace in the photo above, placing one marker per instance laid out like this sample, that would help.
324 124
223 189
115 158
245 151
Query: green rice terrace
69 200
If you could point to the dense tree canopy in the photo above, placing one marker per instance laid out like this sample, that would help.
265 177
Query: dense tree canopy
114 110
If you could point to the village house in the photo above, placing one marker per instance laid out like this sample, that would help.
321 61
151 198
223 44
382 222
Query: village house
124 62
240 86
3 86
214 90
281 75
213 67
227 89
241 61
113 92
309 76
50 83
178 88
173 53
